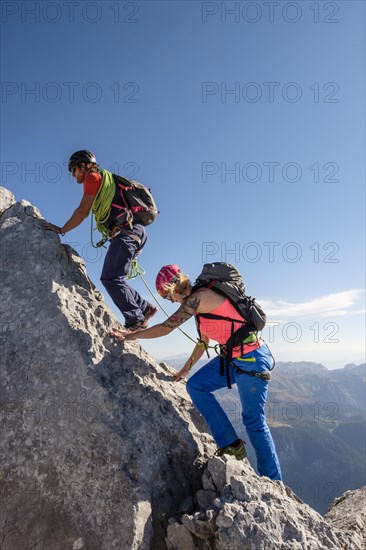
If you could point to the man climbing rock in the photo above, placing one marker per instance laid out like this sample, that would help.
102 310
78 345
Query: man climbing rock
127 236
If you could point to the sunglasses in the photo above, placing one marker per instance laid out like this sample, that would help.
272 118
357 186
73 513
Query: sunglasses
74 168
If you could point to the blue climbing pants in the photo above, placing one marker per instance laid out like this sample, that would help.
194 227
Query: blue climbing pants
122 250
253 395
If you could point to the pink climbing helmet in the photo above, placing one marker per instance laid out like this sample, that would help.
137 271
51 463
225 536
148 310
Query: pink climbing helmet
166 276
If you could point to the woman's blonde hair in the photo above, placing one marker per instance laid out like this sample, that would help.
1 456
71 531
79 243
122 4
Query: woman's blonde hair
180 284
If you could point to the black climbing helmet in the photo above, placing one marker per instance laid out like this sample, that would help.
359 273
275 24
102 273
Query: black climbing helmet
81 156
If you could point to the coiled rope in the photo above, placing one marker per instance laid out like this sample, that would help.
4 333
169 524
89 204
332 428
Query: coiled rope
101 207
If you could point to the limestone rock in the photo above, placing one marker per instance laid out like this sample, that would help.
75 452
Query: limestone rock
179 538
256 512
205 498
207 481
7 199
98 447
187 506
348 514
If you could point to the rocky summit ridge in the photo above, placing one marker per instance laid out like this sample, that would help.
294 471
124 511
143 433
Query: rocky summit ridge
100 450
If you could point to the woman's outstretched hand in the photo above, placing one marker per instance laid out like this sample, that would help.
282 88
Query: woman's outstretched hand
119 334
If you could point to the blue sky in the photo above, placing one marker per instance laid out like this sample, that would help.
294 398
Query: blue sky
247 121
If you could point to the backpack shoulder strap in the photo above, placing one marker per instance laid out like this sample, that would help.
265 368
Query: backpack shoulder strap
221 318
122 182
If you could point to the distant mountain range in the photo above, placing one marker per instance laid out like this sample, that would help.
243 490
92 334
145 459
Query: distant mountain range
317 418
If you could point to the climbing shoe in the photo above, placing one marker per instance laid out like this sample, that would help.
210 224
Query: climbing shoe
236 449
150 312
131 327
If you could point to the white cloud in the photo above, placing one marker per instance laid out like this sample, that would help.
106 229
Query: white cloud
331 304
359 312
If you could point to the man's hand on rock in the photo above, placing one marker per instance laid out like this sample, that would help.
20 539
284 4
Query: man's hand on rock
50 227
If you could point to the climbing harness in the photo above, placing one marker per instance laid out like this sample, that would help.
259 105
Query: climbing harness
113 234
263 375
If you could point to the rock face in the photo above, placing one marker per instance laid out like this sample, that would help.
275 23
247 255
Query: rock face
238 510
348 514
100 450
97 442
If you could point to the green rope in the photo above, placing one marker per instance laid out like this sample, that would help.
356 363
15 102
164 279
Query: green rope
100 243
135 270
101 207
102 202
